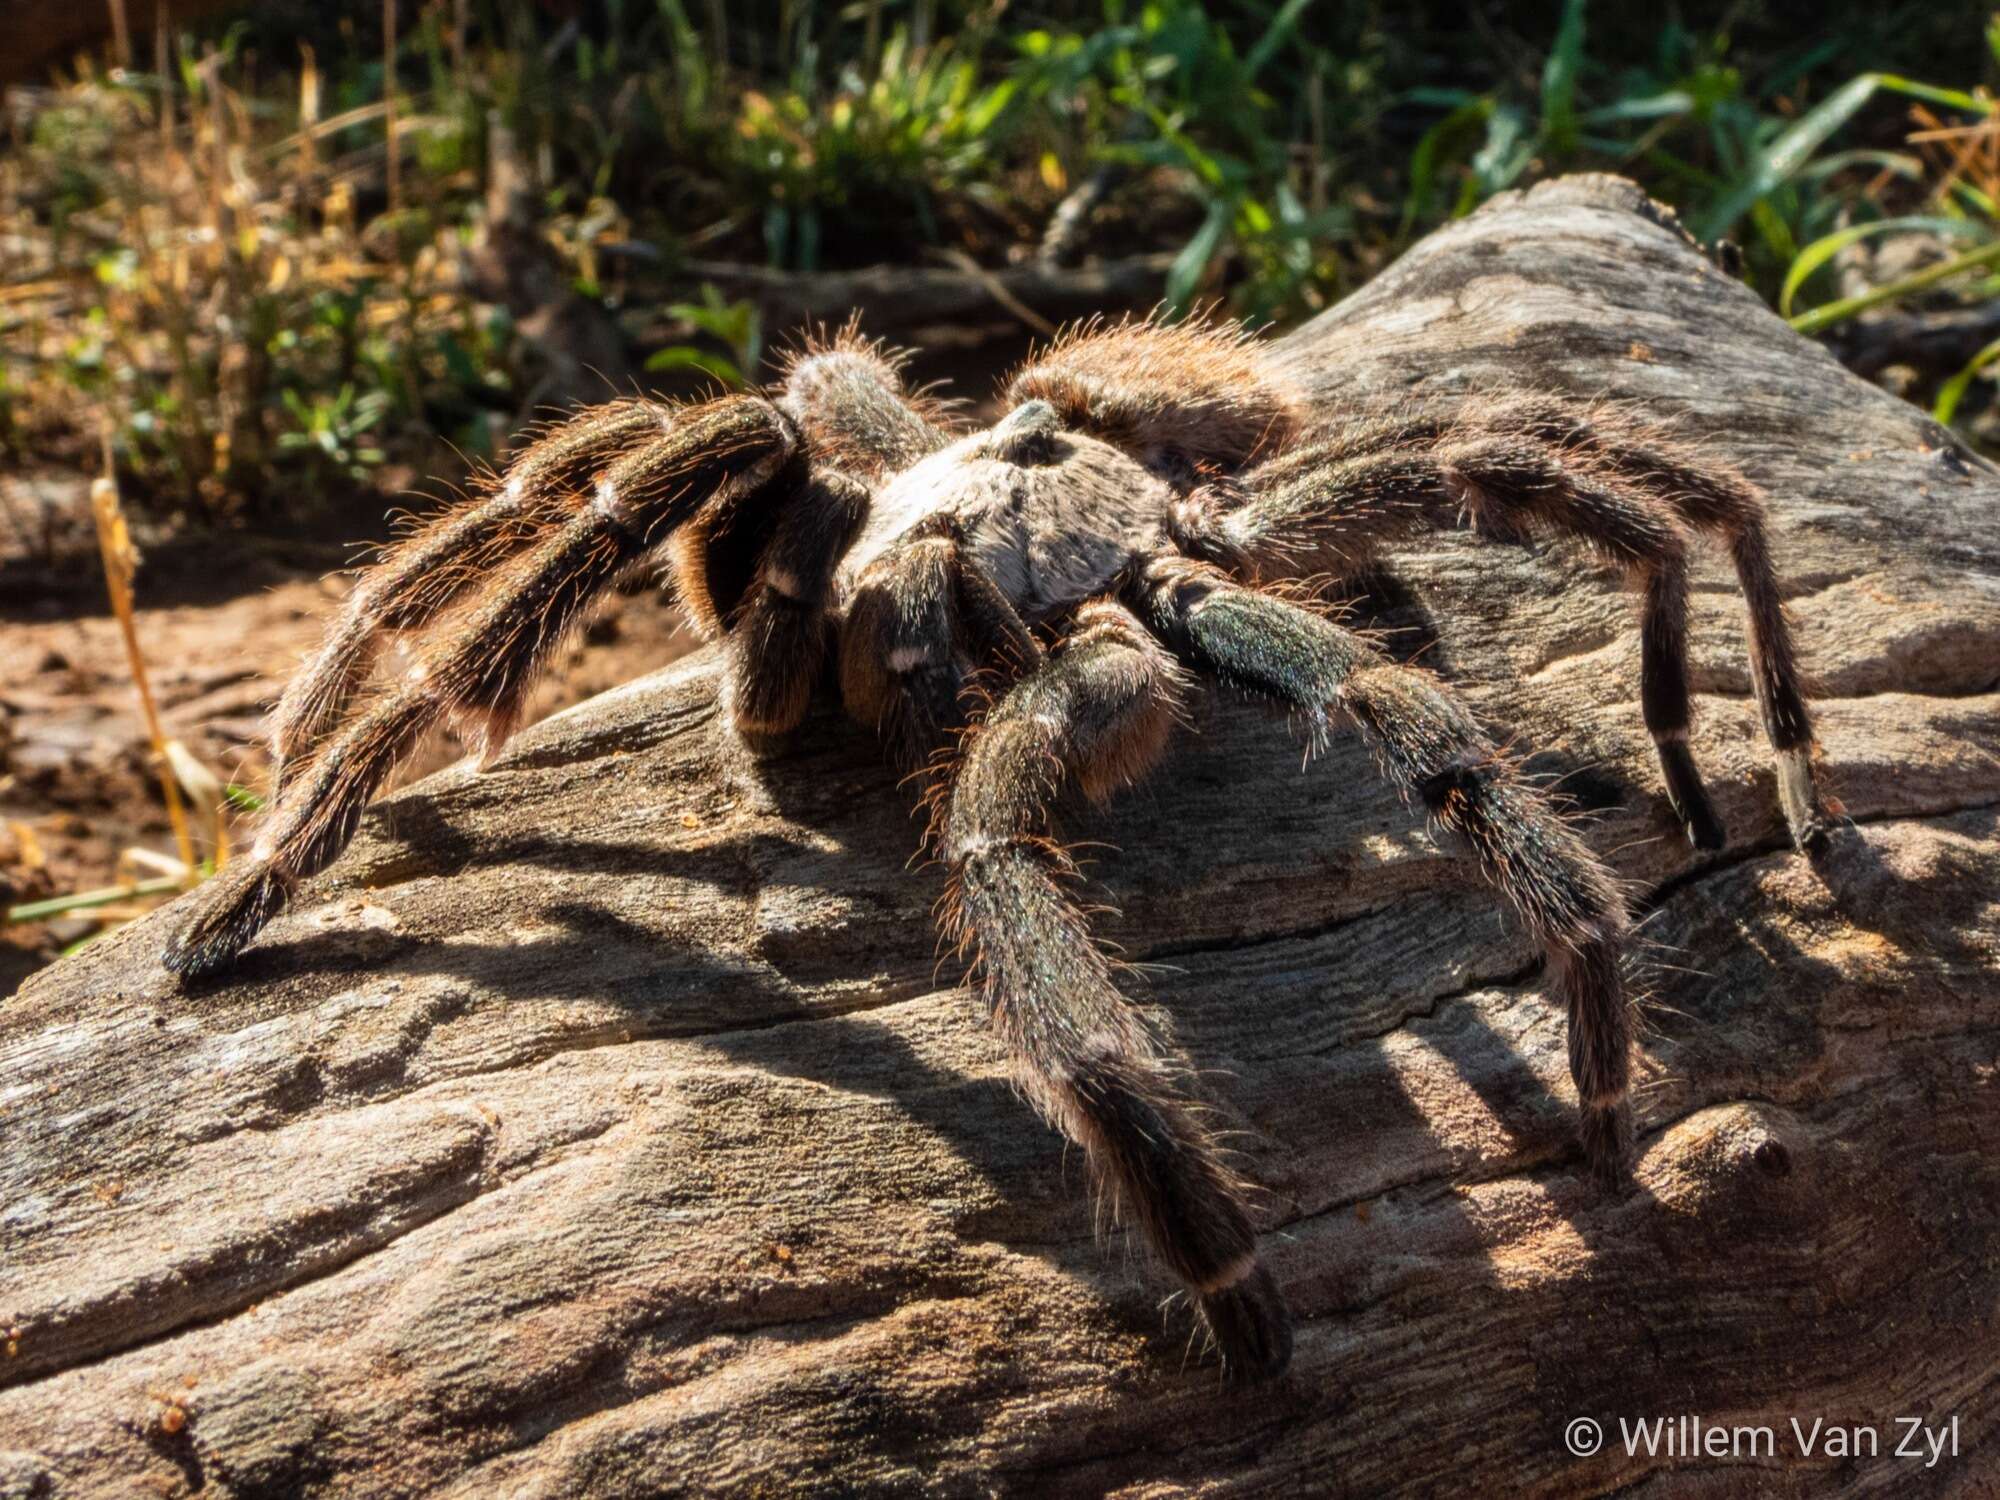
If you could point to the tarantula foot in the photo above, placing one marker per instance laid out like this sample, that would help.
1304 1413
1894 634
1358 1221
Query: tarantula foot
1809 819
1703 828
1251 1326
1605 1131
1690 798
229 910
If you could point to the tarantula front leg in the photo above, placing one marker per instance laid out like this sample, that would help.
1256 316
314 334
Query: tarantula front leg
480 663
845 395
1433 750
777 639
924 620
1098 713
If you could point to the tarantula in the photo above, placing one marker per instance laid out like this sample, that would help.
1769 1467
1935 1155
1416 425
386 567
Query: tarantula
1131 520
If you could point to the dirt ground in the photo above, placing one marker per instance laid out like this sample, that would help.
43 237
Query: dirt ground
221 625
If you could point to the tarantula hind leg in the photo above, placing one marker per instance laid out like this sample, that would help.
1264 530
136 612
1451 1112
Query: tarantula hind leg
1715 499
1098 713
476 663
1435 752
1354 490
1525 485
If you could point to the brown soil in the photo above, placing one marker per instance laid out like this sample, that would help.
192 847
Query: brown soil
221 624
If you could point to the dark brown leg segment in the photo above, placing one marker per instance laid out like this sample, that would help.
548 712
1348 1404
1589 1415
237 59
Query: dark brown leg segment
1300 515
1433 750
777 642
1712 498
434 566
923 622
1097 712
1532 489
478 664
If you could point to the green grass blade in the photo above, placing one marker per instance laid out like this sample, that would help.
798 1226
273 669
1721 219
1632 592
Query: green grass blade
110 895
1559 79
1792 147
1930 94
1651 107
1768 168
1274 37
1896 163
1184 276
1823 249
1822 318
1430 156
242 798
687 357
1953 390
1507 150
1982 203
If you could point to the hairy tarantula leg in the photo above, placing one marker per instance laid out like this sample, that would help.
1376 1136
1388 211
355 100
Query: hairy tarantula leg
1717 500
1510 484
901 669
1099 711
923 620
480 668
1433 749
436 564
777 642
1774 669
1528 483
847 395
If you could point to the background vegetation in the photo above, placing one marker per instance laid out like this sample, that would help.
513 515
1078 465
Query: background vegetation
215 247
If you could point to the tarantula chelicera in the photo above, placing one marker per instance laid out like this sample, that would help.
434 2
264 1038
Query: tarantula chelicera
1122 526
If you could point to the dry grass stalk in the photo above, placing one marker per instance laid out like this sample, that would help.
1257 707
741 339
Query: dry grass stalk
1955 153
161 62
218 142
121 34
389 103
114 542
308 121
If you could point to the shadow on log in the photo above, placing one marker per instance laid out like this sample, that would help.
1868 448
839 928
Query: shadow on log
601 1124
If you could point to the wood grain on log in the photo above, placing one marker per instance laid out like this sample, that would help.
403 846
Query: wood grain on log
602 1124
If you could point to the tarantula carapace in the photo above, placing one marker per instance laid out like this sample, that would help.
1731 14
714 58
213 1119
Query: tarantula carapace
1053 580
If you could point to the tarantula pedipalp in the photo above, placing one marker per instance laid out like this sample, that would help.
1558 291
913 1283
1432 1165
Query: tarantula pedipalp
1120 528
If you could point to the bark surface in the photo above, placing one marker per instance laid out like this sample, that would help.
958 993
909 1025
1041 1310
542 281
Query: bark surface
604 1124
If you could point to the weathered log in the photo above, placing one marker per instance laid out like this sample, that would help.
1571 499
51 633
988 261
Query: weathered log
602 1123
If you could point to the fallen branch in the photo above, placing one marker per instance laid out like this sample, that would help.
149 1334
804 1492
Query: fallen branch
603 1124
